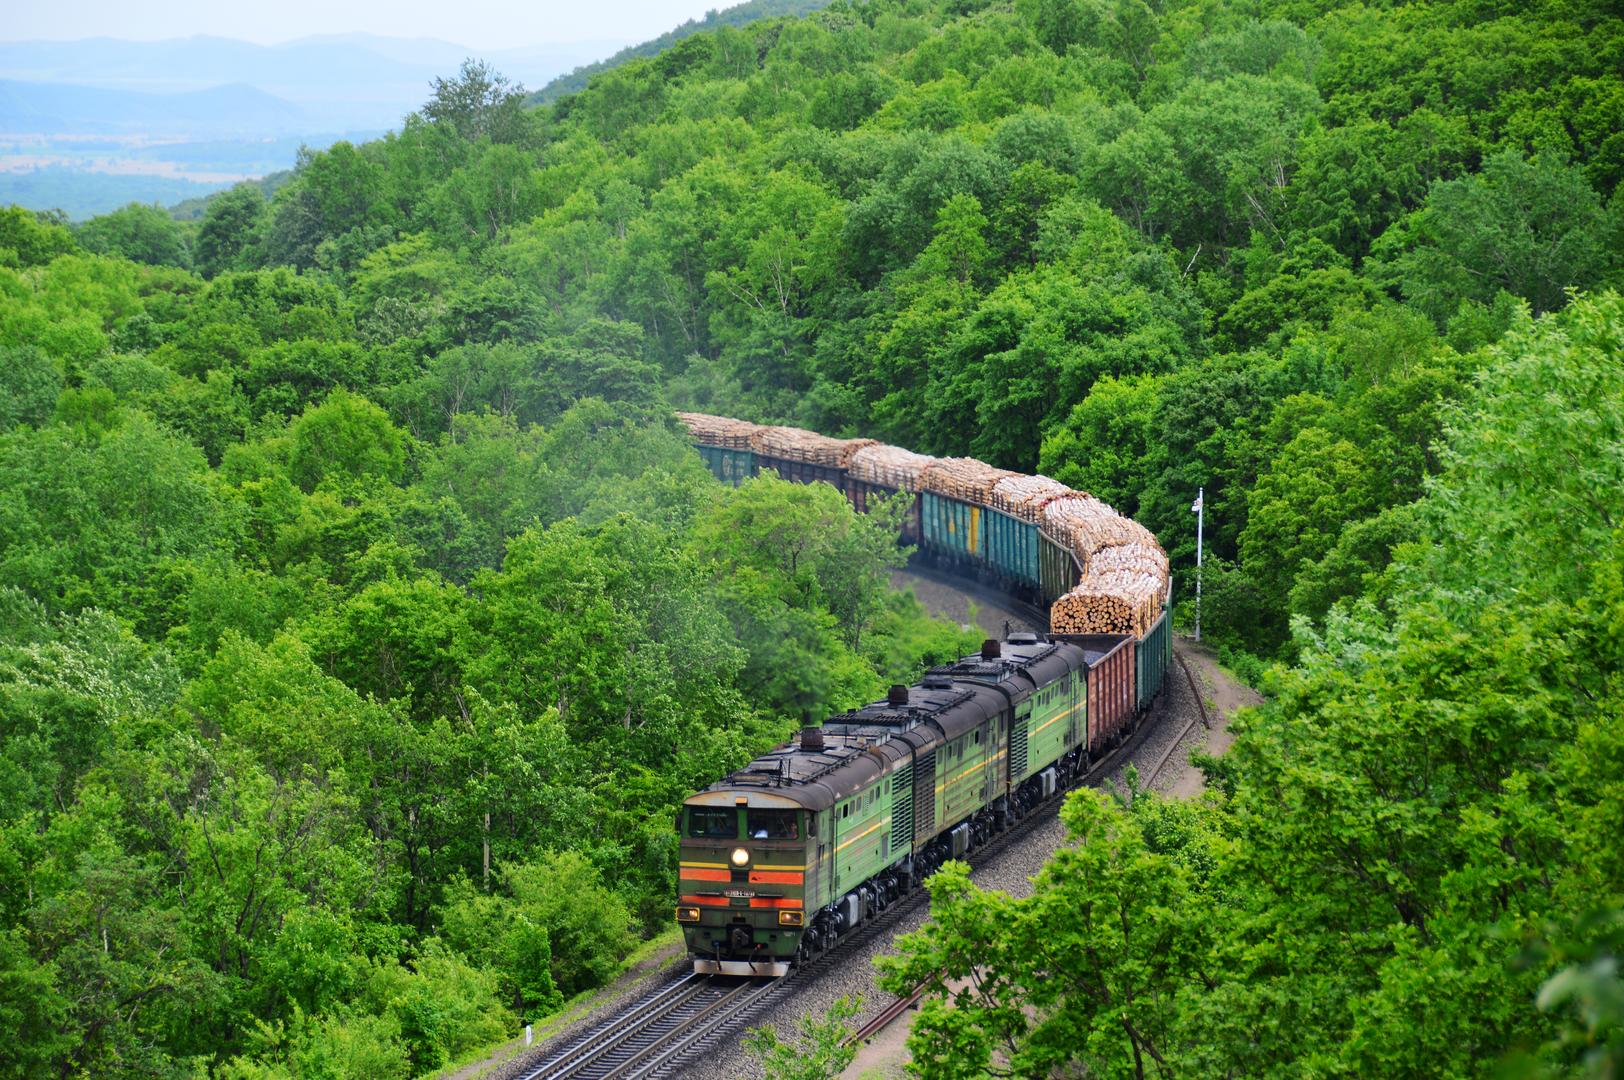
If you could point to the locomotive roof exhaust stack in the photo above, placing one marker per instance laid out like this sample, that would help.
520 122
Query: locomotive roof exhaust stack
991 650
812 738
897 696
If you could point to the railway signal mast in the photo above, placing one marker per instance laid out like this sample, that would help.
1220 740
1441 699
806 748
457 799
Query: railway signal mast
1199 509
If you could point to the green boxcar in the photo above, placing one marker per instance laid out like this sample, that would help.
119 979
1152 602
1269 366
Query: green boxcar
1012 546
953 529
1155 653
729 466
1057 568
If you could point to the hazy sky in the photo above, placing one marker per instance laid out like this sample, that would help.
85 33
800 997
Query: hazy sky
486 24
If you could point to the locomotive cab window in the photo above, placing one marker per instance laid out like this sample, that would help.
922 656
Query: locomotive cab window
713 823
772 825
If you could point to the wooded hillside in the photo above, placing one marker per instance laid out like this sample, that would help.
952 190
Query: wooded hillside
363 614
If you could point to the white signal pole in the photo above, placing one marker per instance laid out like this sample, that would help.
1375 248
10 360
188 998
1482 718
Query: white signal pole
1200 511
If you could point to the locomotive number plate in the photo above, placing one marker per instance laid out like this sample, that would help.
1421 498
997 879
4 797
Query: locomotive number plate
740 893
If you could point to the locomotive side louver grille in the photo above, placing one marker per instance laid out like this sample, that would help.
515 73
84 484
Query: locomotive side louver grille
1017 747
925 794
902 810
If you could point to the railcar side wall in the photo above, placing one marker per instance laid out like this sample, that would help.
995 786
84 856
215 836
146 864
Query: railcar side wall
1154 654
1012 547
1111 703
864 496
727 465
1057 569
953 529
803 472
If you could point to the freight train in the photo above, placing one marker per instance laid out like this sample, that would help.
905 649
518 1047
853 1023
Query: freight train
781 859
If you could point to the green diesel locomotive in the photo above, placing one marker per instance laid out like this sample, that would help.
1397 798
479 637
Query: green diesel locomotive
784 857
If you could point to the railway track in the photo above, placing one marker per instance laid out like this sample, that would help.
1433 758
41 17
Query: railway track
643 1040
667 1029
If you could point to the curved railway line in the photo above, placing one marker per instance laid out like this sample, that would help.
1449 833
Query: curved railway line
999 536
661 1033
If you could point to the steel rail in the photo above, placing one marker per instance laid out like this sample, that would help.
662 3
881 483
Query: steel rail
587 1048
686 1034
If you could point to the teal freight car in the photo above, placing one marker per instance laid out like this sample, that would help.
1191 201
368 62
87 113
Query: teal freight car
1011 547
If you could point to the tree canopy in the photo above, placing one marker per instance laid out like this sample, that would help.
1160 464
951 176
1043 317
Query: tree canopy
366 615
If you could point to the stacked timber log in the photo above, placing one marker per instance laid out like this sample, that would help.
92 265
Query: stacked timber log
1125 570
1134 560
1086 525
1115 603
1025 497
722 431
965 479
1124 583
890 466
798 444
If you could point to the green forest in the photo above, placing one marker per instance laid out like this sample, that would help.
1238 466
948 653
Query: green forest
364 614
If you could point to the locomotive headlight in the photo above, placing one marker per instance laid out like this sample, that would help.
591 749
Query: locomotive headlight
687 914
790 918
740 856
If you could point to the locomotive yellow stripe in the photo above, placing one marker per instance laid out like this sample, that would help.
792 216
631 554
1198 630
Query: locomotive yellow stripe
778 866
1055 719
973 768
703 865
886 820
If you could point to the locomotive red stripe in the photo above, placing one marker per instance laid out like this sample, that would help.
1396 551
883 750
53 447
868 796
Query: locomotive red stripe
690 874
774 877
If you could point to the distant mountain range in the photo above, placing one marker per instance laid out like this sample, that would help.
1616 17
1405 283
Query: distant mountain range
87 126
340 81
233 109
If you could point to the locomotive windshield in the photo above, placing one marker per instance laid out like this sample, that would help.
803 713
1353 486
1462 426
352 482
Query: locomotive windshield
713 823
771 825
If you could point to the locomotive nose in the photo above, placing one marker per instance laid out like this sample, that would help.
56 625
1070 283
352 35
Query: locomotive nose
740 939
